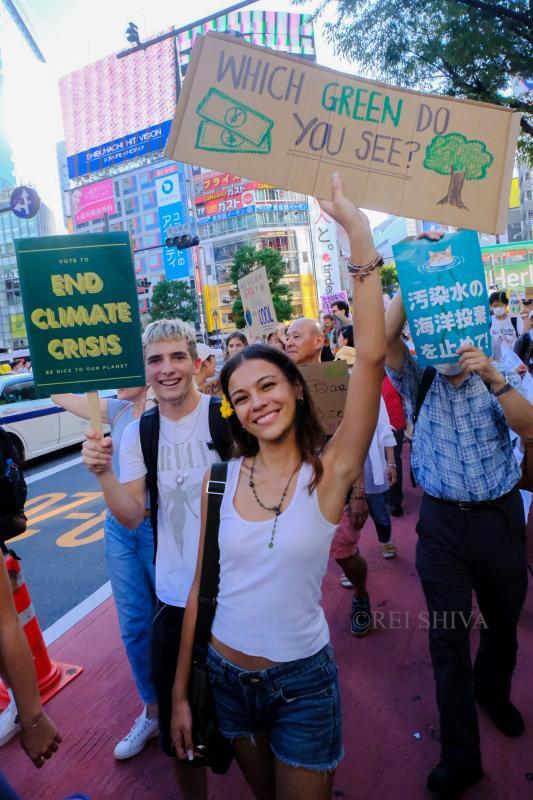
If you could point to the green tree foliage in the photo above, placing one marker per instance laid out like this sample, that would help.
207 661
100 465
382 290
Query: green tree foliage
463 48
173 300
462 159
389 277
246 259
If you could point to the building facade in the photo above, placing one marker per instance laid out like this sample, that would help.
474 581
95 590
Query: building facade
12 328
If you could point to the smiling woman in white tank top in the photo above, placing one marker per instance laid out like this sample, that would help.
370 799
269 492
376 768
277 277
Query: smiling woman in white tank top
274 679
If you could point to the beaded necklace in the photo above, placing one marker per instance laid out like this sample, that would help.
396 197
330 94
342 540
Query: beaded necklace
277 508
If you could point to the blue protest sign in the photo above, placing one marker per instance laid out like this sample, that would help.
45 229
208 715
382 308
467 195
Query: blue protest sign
445 295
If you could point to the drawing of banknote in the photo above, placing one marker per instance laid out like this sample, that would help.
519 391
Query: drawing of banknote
216 137
235 116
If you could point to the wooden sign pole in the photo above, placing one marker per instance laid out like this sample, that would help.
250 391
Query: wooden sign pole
95 416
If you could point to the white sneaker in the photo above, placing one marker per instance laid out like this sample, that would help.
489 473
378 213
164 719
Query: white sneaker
346 582
142 731
9 723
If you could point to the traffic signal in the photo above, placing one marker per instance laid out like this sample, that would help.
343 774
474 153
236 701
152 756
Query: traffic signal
182 242
132 33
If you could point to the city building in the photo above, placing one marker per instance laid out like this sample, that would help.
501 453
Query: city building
391 231
12 328
525 182
17 47
119 179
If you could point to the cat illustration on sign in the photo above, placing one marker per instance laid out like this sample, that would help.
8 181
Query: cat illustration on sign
441 258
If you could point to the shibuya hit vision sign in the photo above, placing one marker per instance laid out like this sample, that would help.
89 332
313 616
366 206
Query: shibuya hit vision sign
81 311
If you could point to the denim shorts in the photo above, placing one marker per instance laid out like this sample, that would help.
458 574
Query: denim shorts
295 703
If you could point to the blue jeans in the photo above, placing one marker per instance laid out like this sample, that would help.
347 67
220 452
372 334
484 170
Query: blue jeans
296 703
377 508
129 556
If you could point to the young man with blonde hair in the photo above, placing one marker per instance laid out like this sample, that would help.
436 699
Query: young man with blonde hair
182 447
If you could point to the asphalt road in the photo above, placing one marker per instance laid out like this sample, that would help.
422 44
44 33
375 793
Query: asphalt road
62 551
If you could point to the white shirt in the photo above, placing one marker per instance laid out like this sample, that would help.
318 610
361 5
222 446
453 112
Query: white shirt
269 599
183 458
503 330
383 437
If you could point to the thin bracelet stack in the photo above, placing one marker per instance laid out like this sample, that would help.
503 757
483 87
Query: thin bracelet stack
361 271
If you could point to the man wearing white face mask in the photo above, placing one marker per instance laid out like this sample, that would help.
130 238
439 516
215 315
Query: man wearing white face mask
502 327
471 536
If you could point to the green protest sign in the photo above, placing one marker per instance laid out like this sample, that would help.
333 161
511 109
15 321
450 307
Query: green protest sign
81 311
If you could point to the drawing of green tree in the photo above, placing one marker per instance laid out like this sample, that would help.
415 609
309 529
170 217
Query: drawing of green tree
462 159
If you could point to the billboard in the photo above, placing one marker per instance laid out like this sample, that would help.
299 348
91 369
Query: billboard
114 110
288 33
93 202
218 206
325 251
172 202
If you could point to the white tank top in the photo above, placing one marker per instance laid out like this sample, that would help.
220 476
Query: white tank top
269 599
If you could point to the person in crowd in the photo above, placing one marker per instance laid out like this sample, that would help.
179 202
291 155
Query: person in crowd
471 536
346 351
523 346
341 310
208 369
129 557
39 736
502 328
394 405
185 448
281 505
328 329
274 340
235 343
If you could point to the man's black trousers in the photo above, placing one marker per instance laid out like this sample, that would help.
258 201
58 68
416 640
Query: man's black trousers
459 551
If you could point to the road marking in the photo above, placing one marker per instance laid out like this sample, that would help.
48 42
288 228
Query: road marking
80 515
52 471
72 617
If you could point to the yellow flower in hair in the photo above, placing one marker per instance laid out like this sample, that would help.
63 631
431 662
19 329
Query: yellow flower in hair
226 409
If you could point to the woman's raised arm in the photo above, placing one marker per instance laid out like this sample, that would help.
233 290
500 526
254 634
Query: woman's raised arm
345 454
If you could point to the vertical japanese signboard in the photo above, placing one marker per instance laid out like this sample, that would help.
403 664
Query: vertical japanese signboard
173 211
257 303
445 295
81 312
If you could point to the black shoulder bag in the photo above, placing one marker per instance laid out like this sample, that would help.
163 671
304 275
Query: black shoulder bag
216 752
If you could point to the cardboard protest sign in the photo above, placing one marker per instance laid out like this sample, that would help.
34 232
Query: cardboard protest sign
445 295
328 384
278 119
81 311
257 303
327 300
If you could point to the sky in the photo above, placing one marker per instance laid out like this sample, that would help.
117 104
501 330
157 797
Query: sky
73 33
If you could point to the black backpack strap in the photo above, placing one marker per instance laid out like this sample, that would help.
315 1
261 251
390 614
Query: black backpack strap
219 430
208 591
428 376
149 436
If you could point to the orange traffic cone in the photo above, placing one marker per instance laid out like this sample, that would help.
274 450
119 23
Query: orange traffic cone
51 675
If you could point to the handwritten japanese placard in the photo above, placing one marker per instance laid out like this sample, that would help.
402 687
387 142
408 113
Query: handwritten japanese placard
445 295
257 303
327 384
278 119
327 300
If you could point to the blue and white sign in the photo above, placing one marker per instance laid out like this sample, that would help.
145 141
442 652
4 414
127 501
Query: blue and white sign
237 212
24 202
445 295
134 145
170 190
